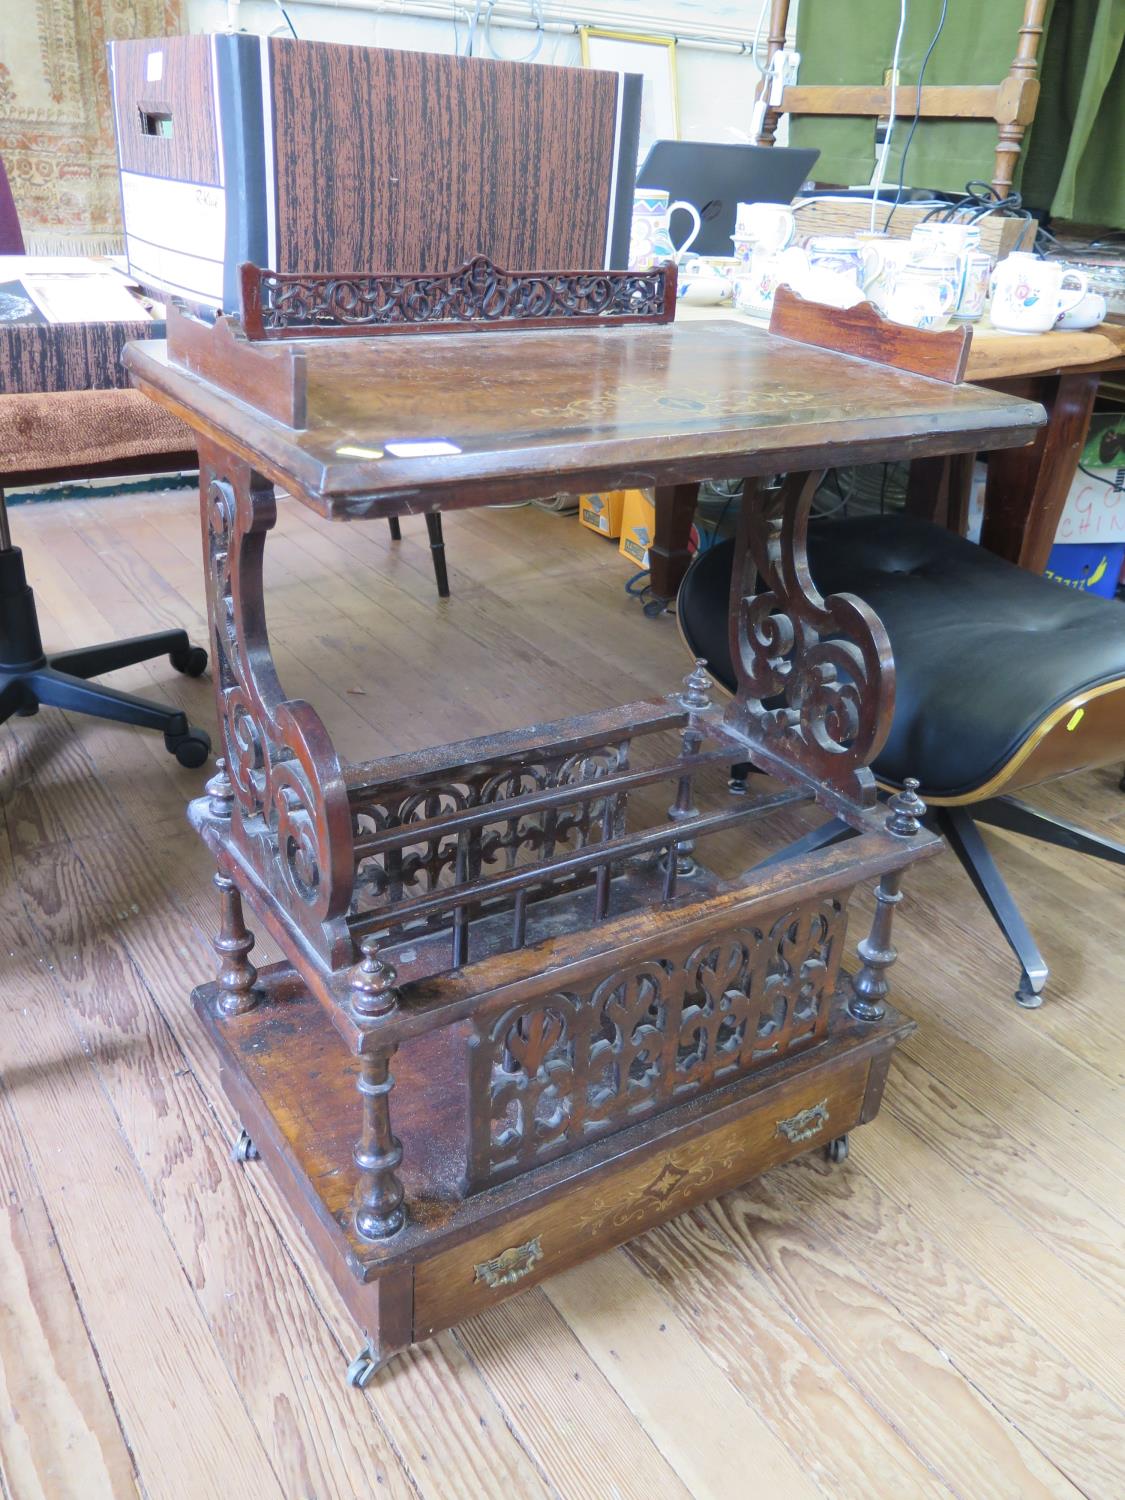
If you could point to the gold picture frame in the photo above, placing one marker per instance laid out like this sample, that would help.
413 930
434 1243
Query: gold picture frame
654 58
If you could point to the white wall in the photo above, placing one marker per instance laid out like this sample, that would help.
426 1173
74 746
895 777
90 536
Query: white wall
716 89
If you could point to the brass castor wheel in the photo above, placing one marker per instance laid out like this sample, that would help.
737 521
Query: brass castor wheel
364 1367
244 1148
837 1151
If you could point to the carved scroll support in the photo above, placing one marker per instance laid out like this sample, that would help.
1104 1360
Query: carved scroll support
815 677
234 943
279 784
870 987
379 1208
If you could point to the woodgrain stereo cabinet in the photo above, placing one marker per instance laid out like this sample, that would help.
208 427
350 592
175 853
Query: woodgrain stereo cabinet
309 156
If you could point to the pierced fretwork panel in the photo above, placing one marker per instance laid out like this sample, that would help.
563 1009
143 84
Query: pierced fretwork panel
572 1066
447 859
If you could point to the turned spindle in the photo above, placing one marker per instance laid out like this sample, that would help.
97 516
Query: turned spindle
696 698
379 1209
905 811
233 944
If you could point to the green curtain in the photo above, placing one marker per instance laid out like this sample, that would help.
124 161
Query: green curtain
1074 148
1071 161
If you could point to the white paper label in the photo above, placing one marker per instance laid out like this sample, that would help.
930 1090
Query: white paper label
435 448
175 234
154 67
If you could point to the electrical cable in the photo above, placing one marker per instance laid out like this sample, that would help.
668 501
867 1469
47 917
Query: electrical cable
288 20
540 34
881 165
758 36
917 114
1112 483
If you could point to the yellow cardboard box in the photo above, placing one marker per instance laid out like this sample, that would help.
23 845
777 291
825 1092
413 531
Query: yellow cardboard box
602 512
638 524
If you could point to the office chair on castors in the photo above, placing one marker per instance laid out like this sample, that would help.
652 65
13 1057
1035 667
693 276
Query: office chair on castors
30 679
1003 679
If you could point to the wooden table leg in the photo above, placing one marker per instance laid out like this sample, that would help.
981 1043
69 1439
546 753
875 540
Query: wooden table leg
1027 487
669 555
938 490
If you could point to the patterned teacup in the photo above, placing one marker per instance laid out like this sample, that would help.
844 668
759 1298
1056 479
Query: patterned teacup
1028 294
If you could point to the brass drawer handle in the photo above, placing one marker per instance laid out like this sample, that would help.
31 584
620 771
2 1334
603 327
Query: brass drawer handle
804 1126
509 1265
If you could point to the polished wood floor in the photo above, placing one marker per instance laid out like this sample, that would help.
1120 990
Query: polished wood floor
942 1314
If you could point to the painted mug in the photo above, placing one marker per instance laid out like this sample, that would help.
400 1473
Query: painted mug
976 273
1029 294
845 254
960 238
650 241
770 227
923 296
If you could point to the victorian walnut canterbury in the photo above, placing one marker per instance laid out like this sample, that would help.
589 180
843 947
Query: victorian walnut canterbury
589 1030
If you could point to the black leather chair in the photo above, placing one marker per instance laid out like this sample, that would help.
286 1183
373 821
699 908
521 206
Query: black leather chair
1004 679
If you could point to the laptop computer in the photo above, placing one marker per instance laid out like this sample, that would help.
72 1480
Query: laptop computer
716 177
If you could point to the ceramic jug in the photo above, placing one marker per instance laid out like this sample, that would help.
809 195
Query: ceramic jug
650 242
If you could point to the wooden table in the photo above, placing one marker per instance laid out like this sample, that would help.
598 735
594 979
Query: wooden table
590 1031
1027 487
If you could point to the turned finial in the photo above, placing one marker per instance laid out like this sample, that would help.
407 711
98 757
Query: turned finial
697 685
220 789
906 810
373 982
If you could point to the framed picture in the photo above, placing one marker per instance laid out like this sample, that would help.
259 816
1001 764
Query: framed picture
654 58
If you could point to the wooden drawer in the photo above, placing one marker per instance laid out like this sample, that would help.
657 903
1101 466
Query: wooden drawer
613 1203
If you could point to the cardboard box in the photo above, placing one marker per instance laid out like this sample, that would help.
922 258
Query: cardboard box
638 525
602 512
1091 570
1094 513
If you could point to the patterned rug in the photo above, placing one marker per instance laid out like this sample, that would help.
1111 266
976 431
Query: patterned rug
56 124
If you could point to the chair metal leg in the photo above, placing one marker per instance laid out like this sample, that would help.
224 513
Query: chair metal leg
92 661
437 550
1020 817
966 842
11 698
58 690
820 838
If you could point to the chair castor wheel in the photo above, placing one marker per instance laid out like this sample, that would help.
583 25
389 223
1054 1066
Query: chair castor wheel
364 1367
191 748
837 1151
192 662
1027 997
243 1149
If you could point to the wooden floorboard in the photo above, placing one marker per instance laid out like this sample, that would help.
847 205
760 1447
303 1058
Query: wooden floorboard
943 1314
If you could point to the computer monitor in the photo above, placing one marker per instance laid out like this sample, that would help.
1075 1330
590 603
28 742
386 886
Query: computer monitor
716 177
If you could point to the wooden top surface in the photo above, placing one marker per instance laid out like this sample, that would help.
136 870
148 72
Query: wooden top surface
994 354
519 414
